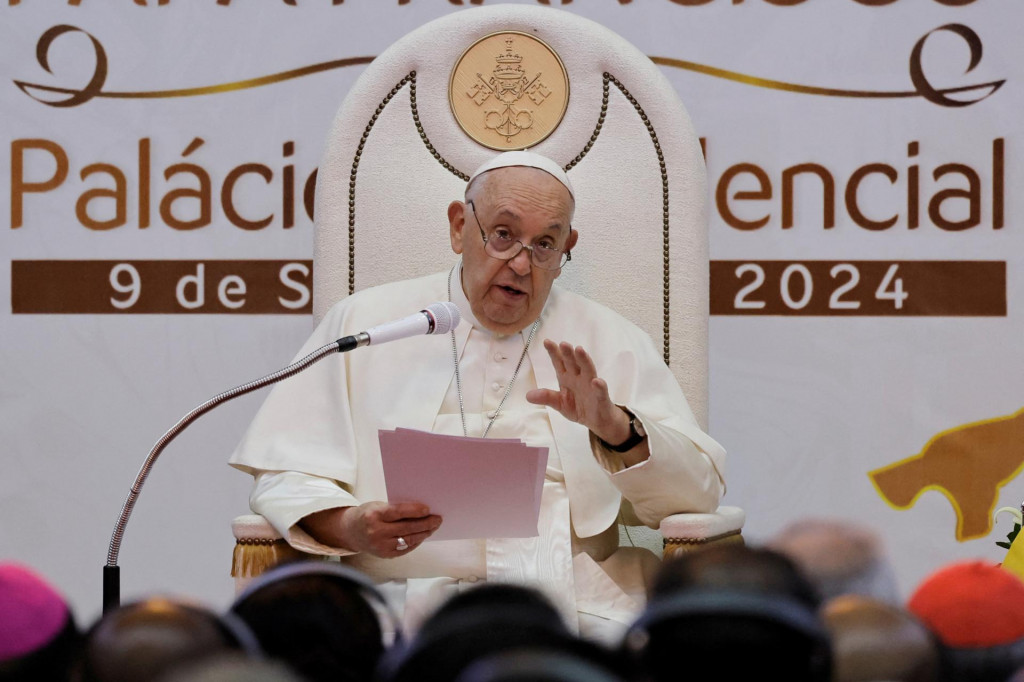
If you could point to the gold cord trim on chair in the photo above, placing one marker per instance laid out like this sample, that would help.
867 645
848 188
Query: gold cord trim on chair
701 541
597 128
355 171
664 191
674 546
423 134
253 556
411 80
664 205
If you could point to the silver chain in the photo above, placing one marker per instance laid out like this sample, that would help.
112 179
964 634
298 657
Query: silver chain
458 378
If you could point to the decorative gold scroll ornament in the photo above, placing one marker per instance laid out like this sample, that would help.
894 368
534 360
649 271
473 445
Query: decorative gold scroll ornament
509 90
96 85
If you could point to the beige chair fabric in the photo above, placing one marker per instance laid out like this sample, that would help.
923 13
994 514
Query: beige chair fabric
395 157
623 121
685 533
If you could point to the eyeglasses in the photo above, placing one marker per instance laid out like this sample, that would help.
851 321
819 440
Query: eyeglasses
503 245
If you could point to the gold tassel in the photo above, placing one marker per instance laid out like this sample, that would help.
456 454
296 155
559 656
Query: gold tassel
252 557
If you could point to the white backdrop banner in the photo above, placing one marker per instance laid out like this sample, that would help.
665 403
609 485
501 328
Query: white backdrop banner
155 249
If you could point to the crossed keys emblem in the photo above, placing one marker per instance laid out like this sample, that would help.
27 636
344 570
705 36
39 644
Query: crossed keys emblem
508 85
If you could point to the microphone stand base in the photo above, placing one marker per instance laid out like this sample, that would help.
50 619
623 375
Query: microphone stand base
111 588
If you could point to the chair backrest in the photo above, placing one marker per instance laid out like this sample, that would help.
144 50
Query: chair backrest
396 156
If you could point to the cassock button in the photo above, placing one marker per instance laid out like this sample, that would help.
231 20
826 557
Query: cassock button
496 386
471 579
498 357
492 414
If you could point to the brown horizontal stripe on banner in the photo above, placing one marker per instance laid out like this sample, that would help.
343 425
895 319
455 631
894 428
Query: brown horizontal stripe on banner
822 288
162 286
859 288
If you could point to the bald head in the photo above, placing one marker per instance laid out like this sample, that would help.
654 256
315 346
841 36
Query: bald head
840 556
143 640
872 640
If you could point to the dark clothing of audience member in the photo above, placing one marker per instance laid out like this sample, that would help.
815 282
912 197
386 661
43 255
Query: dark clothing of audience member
528 665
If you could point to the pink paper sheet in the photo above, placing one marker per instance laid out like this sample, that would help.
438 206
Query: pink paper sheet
481 488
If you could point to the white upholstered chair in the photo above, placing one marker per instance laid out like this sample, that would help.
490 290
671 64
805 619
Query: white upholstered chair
396 156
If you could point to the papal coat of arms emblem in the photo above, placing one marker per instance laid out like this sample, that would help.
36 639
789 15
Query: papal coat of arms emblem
509 90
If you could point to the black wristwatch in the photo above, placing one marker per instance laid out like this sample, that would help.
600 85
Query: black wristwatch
636 435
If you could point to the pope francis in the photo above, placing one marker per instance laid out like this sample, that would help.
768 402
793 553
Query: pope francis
530 361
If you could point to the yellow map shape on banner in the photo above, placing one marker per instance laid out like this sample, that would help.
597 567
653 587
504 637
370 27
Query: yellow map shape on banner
968 464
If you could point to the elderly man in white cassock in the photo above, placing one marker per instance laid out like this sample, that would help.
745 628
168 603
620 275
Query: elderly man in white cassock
530 361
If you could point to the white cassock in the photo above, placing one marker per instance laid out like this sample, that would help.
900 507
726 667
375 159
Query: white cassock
313 446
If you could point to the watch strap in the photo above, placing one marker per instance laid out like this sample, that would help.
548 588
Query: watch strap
635 437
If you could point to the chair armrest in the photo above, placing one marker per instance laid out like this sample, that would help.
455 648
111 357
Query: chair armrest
258 547
685 532
253 528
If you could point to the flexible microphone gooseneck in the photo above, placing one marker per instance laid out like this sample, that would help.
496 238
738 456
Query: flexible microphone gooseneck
437 318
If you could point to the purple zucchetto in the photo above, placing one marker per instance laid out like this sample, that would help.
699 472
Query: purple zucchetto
32 613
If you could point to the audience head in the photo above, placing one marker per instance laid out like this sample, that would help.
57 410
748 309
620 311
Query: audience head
839 557
150 638
481 622
872 641
735 567
38 635
735 612
317 617
234 668
976 609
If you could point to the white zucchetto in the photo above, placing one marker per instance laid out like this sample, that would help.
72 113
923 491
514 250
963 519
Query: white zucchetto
528 160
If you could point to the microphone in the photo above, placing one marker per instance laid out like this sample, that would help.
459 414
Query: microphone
437 318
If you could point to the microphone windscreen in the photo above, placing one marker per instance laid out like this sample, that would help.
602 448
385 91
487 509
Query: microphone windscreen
446 316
